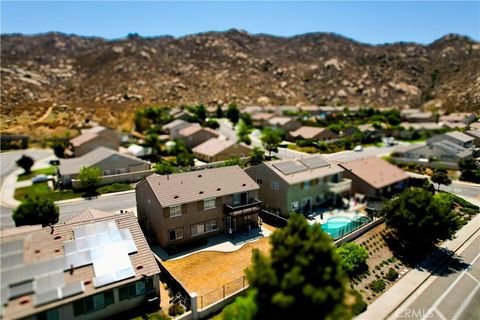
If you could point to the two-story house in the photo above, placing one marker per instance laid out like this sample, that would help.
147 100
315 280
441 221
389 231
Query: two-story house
301 185
92 138
188 207
456 137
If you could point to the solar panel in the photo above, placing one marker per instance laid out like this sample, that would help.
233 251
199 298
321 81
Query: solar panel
12 260
290 167
130 246
125 273
20 289
72 289
4 294
47 296
103 280
49 282
79 232
70 246
315 162
7 248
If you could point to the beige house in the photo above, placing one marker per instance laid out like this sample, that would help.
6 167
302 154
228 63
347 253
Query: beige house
313 133
93 266
287 124
92 138
194 134
383 180
217 149
261 119
462 118
415 115
301 185
185 208
173 128
114 166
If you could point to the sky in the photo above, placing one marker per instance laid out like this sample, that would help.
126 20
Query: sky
372 22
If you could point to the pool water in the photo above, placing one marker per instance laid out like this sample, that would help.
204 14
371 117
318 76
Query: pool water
335 223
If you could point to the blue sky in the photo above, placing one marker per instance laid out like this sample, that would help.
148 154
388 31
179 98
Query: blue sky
366 21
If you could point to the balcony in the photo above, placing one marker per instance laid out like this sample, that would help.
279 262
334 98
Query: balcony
253 206
340 187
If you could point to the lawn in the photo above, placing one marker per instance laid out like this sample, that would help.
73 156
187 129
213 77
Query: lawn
43 191
47 171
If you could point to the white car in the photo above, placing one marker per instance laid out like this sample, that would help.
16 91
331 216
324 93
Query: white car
358 149
41 178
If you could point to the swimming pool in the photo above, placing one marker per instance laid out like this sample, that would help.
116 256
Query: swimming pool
340 226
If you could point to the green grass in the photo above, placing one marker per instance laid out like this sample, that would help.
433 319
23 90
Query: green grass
115 187
47 171
41 190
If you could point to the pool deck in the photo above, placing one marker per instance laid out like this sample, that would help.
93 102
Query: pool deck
354 211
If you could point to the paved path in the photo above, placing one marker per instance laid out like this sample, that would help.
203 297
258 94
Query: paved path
389 303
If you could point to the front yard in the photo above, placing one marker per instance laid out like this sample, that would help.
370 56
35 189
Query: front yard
50 171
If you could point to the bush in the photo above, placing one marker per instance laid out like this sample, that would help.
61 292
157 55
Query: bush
377 286
33 212
176 310
392 274
115 187
359 305
353 257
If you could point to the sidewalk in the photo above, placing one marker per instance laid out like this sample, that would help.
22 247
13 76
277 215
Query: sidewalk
387 303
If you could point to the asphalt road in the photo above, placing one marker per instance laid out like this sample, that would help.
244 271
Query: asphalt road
467 190
453 294
7 166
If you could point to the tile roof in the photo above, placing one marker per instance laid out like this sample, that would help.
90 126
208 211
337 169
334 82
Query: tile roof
280 120
452 148
174 124
73 165
213 146
189 130
375 171
180 188
307 132
40 246
262 116
455 116
306 174
459 136
81 139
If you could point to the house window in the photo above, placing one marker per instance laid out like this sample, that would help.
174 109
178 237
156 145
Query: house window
135 289
208 204
204 227
294 205
176 211
121 170
93 303
306 185
259 181
49 315
236 199
275 185
107 172
175 234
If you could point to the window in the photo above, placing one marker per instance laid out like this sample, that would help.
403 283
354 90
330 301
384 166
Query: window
92 303
176 211
259 181
208 204
135 289
294 205
275 185
204 227
49 315
121 170
107 172
236 199
306 185
175 234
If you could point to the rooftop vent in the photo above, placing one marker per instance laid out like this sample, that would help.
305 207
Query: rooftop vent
139 267
199 176
57 238
243 185
218 189
175 197
201 192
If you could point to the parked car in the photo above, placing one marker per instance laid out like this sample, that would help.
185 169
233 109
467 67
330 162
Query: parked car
358 148
41 178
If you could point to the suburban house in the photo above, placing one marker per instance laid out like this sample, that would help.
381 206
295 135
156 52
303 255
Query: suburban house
374 177
456 137
301 185
216 149
173 128
114 167
184 208
475 134
261 119
310 110
414 115
287 124
252 109
92 138
458 118
178 113
194 134
94 266
313 133
288 110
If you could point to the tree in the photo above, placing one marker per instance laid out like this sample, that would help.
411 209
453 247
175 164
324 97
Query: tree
271 139
39 211
233 113
302 277
200 113
152 141
26 163
184 159
163 168
89 177
243 132
59 147
470 170
244 308
211 123
419 220
257 156
353 257
234 161
219 112
440 177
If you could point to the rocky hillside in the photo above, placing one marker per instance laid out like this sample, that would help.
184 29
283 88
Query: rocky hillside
105 80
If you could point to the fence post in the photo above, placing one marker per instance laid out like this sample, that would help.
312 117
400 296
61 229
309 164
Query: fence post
194 305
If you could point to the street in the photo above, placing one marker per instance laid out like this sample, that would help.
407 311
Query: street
452 294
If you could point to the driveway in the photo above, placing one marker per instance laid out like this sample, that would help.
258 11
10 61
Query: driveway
226 129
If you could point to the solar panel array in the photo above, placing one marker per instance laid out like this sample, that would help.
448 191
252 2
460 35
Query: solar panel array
290 167
100 244
315 162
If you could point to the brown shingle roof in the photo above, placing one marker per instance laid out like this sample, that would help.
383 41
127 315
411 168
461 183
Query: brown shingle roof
191 129
213 146
280 121
42 245
307 132
84 137
193 186
262 116
375 171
